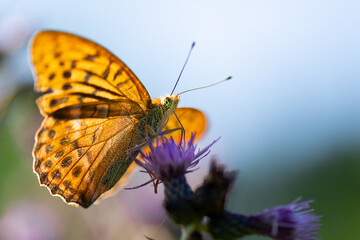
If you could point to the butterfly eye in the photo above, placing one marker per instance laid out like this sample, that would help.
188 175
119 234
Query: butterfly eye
167 103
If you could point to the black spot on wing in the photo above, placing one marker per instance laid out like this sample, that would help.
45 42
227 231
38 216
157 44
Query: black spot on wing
37 164
38 146
66 86
66 74
118 72
66 162
76 171
43 177
122 83
51 76
106 72
74 144
48 149
80 152
48 164
55 189
51 133
67 186
65 140
55 102
56 174
87 77
90 57
40 133
59 153
49 90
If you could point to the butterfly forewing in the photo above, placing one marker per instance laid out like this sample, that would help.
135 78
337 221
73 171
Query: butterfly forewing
72 70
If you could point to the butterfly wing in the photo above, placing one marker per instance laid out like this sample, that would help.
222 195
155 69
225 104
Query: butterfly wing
71 70
80 159
91 102
191 119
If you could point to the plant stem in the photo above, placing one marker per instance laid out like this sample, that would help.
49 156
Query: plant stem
186 231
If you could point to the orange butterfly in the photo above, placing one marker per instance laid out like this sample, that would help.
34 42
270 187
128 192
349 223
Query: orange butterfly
96 110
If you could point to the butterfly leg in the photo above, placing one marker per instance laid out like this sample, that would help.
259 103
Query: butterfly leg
152 136
182 130
171 131
151 133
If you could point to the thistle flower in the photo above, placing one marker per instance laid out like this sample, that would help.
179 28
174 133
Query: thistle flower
169 160
294 221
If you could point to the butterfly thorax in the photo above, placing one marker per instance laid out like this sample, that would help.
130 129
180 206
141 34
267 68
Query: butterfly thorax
153 120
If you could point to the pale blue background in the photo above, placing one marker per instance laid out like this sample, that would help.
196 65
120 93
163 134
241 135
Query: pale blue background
295 64
294 96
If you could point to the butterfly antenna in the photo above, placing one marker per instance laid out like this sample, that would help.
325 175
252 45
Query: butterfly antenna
192 46
228 78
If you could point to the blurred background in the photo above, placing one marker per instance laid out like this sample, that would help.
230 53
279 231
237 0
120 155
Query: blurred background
289 120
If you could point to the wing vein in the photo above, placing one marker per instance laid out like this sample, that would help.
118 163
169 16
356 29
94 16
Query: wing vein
72 150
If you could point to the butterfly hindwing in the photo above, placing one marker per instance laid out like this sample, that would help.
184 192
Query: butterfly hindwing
191 119
80 159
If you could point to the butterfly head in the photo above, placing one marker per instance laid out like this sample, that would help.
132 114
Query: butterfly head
169 104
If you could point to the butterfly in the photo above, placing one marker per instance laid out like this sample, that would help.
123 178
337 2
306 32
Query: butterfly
95 111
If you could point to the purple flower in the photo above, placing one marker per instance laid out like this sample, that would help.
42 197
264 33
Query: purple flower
293 221
169 160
